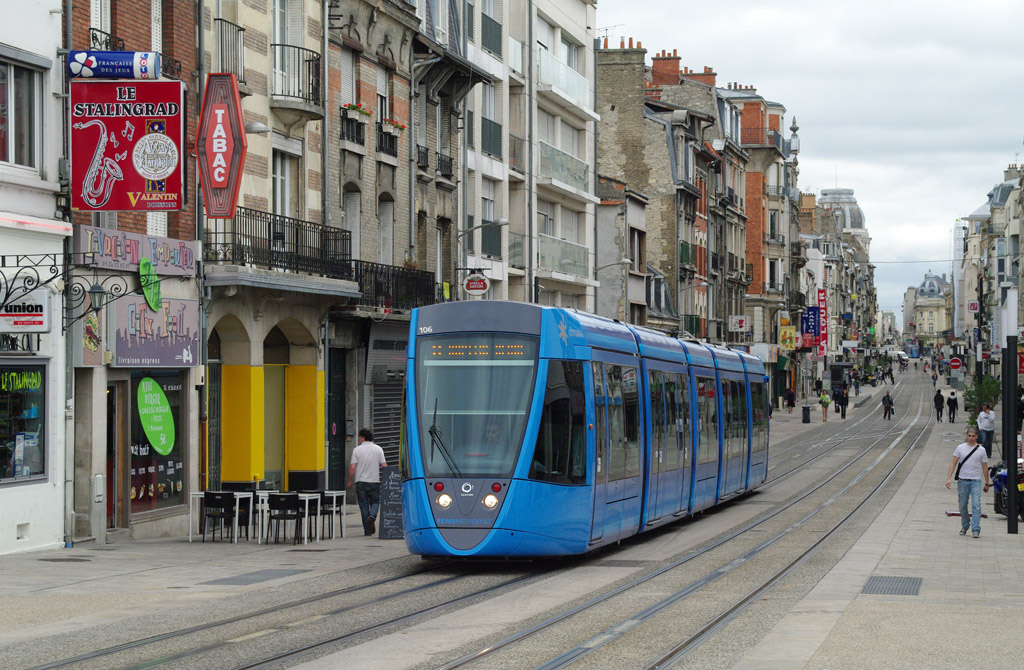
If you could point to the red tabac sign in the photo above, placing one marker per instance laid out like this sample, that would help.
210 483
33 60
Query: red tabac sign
221 145
126 146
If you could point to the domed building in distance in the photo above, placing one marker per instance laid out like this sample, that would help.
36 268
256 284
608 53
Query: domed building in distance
933 309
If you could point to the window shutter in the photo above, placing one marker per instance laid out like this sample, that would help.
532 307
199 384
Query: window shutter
387 232
353 205
382 93
295 22
348 77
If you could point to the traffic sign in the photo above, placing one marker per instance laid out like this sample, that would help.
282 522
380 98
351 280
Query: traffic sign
955 363
972 306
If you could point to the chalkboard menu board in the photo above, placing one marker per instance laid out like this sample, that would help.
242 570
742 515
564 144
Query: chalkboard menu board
389 520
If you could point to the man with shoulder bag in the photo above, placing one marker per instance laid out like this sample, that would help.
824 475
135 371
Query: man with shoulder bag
971 465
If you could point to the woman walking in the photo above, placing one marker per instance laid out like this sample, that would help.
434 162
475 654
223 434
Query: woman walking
824 402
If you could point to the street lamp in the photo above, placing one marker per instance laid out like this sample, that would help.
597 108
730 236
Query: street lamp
97 296
624 262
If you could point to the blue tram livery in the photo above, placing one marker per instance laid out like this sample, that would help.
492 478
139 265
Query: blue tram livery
540 431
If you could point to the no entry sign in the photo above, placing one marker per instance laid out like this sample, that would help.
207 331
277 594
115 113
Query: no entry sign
955 363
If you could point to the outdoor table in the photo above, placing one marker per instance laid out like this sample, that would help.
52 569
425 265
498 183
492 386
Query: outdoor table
334 495
306 497
239 495
262 496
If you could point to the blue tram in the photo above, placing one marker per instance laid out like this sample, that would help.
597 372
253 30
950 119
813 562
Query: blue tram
540 431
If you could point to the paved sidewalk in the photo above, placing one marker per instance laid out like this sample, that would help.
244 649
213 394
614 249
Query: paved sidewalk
968 587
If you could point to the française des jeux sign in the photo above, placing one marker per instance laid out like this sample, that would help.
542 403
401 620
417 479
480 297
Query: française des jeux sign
120 250
126 146
221 146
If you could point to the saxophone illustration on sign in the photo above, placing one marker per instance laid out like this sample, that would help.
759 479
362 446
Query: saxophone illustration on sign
103 171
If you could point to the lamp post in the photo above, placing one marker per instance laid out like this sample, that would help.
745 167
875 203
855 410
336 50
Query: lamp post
625 263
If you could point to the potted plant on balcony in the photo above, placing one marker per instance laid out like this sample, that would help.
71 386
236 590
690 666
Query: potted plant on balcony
356 111
393 126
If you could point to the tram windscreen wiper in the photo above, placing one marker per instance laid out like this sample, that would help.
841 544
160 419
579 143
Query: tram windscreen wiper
435 441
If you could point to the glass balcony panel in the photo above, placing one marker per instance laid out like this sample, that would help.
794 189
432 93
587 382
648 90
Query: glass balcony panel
517 250
557 164
515 55
553 72
561 256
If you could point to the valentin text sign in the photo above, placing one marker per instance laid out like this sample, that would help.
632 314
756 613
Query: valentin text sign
126 145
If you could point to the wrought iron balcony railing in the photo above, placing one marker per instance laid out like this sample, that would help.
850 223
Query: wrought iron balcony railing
296 73
386 142
231 48
444 165
393 287
170 67
352 128
691 324
102 41
774 287
687 254
276 242
422 157
761 137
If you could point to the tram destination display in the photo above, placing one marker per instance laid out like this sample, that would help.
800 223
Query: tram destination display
390 514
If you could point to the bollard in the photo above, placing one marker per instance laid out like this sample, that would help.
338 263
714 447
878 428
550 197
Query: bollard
806 413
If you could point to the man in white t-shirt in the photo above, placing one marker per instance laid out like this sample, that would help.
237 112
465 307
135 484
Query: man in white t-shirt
367 460
987 426
971 459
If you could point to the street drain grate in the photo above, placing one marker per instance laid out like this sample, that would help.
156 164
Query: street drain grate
893 586
65 560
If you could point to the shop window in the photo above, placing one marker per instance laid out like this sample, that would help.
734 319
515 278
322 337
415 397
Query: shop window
22 422
158 477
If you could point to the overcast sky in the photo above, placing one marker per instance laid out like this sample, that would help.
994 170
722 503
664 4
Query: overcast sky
917 106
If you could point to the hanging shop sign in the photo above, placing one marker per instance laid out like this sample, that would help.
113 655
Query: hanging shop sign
126 146
809 327
150 283
165 338
113 65
221 146
120 250
29 313
823 321
787 338
476 284
739 323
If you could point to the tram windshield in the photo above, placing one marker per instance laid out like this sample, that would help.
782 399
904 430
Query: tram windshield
473 395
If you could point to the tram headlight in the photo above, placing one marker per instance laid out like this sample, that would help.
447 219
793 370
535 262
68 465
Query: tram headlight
444 500
490 501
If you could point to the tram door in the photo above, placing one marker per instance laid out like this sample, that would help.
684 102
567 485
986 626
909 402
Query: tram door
601 452
682 441
657 486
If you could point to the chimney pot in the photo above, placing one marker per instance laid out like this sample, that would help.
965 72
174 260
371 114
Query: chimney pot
606 42
674 53
639 45
622 42
630 42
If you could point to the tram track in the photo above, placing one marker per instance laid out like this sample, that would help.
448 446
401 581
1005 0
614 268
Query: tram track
621 627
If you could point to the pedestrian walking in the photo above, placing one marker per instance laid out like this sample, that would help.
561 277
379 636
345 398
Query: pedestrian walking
939 403
987 427
935 379
824 402
790 397
971 465
856 385
952 405
367 460
887 406
844 400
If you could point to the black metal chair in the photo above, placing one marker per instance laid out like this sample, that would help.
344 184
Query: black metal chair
284 507
219 506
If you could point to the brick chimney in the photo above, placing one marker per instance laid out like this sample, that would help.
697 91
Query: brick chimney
665 70
708 76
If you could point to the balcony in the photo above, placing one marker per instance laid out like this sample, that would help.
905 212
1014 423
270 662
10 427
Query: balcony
231 49
515 55
562 256
387 142
774 287
392 287
761 137
444 165
566 172
776 190
295 77
170 67
490 239
490 137
490 38
564 86
422 157
517 250
517 154
101 41
797 300
275 242
353 127
775 238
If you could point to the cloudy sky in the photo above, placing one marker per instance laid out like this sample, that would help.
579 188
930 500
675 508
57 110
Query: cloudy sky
917 106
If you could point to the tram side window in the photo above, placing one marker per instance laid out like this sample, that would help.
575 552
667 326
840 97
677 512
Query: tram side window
707 451
685 437
616 429
760 414
631 408
654 381
560 453
671 448
600 420
727 410
740 396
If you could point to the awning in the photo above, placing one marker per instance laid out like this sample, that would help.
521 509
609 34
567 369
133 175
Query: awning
781 363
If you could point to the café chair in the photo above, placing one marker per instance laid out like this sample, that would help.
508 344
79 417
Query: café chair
219 506
284 507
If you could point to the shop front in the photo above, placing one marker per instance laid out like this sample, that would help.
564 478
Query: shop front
136 380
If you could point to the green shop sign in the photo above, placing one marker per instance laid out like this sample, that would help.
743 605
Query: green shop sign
155 416
150 284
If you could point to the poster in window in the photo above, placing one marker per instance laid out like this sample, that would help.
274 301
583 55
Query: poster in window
157 453
22 421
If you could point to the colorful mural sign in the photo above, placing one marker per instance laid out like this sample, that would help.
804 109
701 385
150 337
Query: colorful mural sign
168 338
120 250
